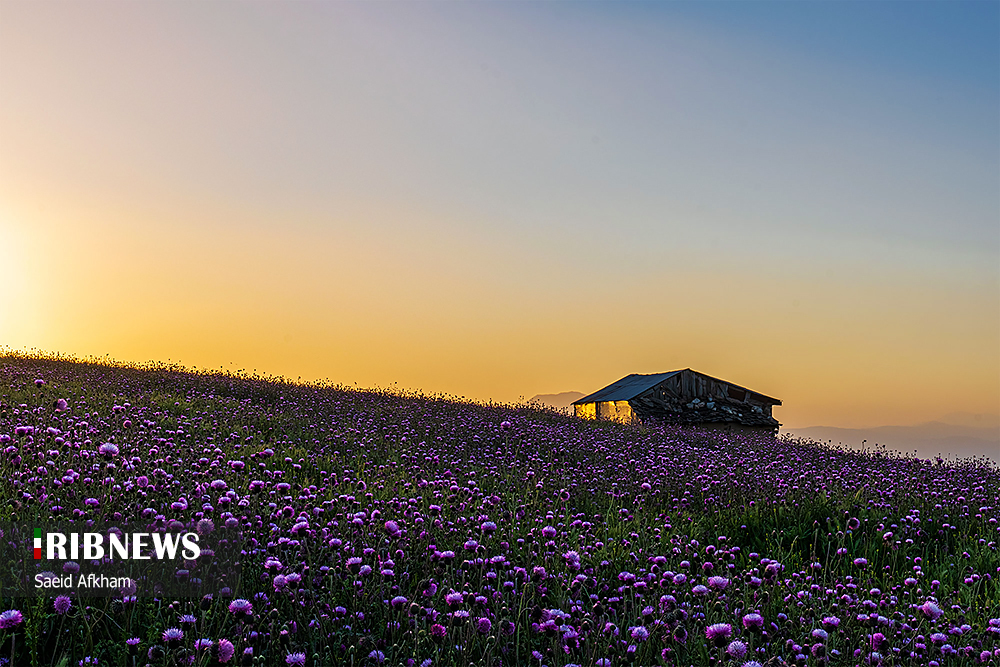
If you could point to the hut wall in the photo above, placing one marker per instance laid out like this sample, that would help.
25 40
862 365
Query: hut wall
689 385
618 411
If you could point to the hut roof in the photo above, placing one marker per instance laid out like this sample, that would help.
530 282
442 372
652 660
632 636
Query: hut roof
627 388
631 386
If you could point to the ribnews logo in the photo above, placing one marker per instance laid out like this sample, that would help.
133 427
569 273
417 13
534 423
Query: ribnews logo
99 560
134 546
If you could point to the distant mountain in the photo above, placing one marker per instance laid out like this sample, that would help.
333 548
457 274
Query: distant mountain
950 440
972 419
563 401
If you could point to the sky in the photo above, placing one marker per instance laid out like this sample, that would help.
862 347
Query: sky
497 200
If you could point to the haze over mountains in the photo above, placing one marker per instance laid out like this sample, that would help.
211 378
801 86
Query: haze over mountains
563 401
953 436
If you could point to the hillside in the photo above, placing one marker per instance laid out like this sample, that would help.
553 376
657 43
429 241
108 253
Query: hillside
406 529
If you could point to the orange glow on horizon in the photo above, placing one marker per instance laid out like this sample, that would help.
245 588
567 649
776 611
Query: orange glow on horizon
343 310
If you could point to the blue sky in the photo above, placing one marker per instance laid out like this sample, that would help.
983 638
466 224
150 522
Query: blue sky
951 41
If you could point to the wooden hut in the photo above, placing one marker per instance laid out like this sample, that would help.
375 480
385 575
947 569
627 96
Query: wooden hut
684 397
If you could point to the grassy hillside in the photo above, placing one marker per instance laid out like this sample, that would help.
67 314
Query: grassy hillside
411 530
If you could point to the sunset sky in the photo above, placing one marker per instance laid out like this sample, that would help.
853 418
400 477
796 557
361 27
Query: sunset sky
500 200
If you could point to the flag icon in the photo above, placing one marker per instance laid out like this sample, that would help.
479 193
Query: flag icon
38 543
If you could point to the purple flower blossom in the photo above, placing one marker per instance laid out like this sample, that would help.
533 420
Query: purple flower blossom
718 583
108 450
62 604
931 611
241 608
173 636
225 650
719 633
10 619
736 649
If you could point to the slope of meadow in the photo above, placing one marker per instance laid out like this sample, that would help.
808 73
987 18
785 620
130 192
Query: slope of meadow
409 530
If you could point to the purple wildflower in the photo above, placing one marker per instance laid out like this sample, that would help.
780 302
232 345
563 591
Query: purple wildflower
225 650
930 610
241 608
719 633
173 636
10 619
736 649
62 604
108 450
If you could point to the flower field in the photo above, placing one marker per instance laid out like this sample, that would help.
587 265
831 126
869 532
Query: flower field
379 528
